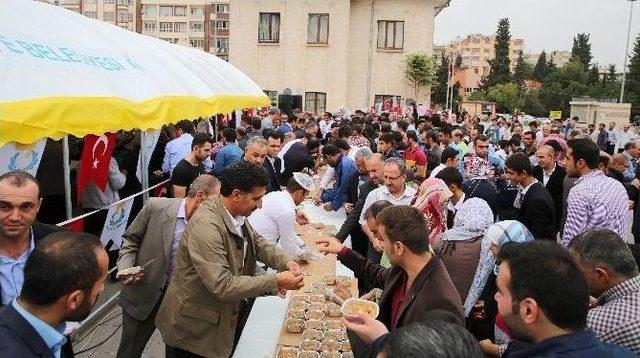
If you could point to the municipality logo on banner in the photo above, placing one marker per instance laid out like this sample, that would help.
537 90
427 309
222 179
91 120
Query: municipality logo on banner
115 225
15 156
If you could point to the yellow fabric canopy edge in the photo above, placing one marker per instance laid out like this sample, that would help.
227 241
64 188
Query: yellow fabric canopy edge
28 121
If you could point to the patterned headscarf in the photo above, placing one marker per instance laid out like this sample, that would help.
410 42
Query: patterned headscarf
477 168
497 234
471 220
431 199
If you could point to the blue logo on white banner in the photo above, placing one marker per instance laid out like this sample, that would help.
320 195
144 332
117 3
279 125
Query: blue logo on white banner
21 157
115 224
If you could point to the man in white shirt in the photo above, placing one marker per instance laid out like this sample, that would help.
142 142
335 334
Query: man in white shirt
325 124
625 137
275 220
394 189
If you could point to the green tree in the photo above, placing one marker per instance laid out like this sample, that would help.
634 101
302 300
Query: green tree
581 50
522 71
632 85
507 97
531 103
540 70
439 90
458 60
420 71
611 74
499 71
593 77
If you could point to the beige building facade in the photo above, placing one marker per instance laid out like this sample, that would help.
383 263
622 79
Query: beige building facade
335 53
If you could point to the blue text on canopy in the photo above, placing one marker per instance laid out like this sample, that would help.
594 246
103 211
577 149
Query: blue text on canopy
64 54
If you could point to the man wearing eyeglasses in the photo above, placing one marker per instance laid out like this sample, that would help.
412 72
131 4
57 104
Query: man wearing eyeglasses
394 190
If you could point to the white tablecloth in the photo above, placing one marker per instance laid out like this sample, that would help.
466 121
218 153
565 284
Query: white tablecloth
260 335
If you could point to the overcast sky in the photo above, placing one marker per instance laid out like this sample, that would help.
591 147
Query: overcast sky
546 24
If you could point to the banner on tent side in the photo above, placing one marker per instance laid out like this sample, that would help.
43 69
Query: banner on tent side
151 140
115 225
15 156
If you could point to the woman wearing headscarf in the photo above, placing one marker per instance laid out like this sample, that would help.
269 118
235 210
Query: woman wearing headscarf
483 285
431 199
460 248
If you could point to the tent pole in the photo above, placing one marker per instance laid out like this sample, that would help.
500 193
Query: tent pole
67 175
145 167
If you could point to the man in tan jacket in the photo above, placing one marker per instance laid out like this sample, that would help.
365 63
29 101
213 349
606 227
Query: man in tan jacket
215 269
154 235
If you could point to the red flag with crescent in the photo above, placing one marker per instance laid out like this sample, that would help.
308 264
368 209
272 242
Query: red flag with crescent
96 157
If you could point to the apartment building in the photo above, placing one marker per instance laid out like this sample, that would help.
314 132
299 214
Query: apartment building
560 58
118 12
198 23
202 24
335 53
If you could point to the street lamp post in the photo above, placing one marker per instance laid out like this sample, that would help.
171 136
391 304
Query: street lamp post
626 53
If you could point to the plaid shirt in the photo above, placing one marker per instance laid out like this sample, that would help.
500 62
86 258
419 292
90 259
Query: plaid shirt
617 318
595 202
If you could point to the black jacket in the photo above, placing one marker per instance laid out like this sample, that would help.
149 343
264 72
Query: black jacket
273 171
351 224
296 159
554 187
537 213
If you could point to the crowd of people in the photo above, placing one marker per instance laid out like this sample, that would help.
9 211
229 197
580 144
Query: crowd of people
497 237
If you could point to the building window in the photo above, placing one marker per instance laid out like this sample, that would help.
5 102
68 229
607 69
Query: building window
180 11
222 25
222 8
196 26
150 10
166 26
124 16
273 96
108 2
318 29
180 27
91 14
124 2
221 44
150 25
197 11
108 16
269 27
390 35
315 102
166 11
475 70
199 43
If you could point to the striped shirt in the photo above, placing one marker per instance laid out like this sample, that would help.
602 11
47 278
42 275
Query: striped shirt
595 202
617 318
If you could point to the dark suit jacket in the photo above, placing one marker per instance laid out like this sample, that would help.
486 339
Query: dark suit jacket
554 187
351 224
19 339
352 188
537 213
275 179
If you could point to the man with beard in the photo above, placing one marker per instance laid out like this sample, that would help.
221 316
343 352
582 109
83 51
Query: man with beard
54 292
536 311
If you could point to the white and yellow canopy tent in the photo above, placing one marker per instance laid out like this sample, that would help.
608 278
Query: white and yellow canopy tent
63 73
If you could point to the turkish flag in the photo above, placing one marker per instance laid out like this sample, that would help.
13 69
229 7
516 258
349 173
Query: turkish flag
96 156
